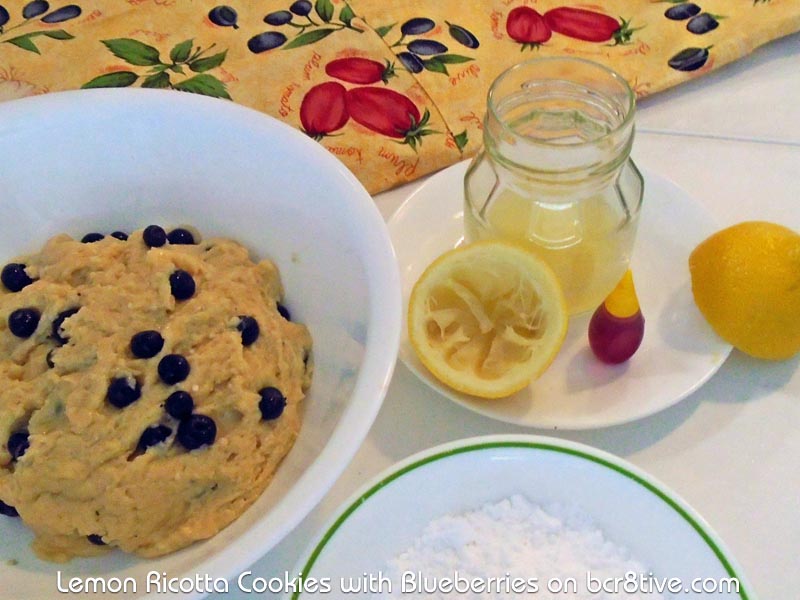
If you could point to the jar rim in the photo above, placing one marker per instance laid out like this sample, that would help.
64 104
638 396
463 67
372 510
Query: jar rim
630 98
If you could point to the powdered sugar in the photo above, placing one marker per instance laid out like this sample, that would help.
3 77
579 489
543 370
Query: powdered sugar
515 548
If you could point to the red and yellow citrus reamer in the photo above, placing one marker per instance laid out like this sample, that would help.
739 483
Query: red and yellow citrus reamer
617 326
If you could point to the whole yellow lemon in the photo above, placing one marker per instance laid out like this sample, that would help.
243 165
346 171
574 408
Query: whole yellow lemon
746 282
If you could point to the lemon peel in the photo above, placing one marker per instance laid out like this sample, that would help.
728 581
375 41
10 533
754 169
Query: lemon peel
746 283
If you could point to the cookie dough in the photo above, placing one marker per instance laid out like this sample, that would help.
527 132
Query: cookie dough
90 455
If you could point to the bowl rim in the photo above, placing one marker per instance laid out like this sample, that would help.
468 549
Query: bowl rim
384 296
424 458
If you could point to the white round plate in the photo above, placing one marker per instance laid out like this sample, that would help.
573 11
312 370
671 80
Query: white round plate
679 352
630 507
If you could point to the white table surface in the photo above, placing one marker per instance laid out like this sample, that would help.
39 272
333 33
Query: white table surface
732 449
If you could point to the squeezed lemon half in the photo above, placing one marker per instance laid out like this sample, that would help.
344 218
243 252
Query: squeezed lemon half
487 318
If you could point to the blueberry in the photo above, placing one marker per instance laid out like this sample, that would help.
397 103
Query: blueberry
702 23
265 41
23 322
8 511
182 284
65 13
179 235
34 9
462 36
18 444
152 436
121 394
154 236
90 238
412 62
249 328
14 277
279 17
179 405
146 344
417 26
196 431
120 235
224 16
427 47
95 539
689 59
683 11
58 322
271 404
284 312
173 368
301 7
4 16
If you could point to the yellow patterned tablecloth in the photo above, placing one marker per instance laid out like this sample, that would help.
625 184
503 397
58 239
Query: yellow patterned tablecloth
394 89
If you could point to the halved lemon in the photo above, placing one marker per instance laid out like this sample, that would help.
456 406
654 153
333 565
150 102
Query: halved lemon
487 318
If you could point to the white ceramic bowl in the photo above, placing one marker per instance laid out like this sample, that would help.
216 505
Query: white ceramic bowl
121 159
632 509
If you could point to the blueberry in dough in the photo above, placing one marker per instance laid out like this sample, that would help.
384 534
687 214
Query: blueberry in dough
152 436
271 404
18 444
95 539
8 511
182 284
121 393
173 368
23 322
90 238
56 332
179 405
284 312
14 277
196 431
180 235
249 328
154 236
146 344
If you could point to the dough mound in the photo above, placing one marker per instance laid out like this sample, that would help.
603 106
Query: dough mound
85 483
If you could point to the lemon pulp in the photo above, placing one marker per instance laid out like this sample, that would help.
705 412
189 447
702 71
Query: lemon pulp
487 318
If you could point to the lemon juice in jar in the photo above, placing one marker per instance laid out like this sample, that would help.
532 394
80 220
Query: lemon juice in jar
555 173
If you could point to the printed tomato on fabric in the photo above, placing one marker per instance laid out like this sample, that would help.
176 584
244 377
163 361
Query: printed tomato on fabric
362 71
323 109
527 26
389 113
588 25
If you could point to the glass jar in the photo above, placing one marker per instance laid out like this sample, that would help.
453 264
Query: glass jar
555 173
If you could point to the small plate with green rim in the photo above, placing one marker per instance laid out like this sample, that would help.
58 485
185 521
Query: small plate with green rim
629 506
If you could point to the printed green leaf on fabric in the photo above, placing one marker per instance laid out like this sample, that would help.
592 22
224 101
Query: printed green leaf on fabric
133 52
309 37
157 81
201 65
346 15
435 65
324 8
181 52
204 84
24 42
385 29
461 139
453 59
113 80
